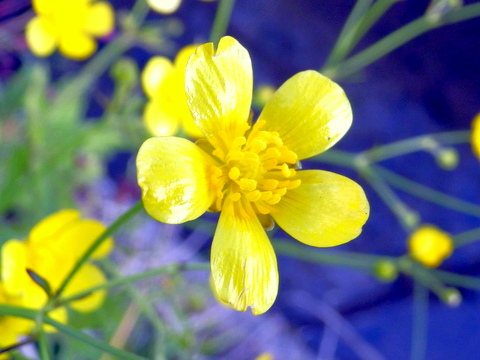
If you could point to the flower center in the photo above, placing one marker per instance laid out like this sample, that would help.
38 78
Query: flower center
256 172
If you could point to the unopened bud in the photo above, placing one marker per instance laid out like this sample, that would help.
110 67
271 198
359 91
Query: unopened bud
386 270
451 297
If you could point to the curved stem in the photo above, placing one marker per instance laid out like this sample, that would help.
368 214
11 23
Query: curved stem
222 19
467 237
108 232
401 37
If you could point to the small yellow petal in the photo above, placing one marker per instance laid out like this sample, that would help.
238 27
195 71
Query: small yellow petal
155 73
76 45
219 90
79 236
310 112
100 19
174 175
60 315
430 246
13 267
51 225
476 136
164 6
244 266
87 277
40 35
326 209
161 119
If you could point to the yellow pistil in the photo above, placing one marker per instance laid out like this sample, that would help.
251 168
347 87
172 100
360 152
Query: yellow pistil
255 173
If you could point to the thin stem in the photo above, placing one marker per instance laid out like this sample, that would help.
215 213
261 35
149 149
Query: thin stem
342 46
420 322
334 258
42 341
401 37
467 237
407 218
427 193
464 281
222 19
337 157
418 143
10 310
108 232
18 345
167 269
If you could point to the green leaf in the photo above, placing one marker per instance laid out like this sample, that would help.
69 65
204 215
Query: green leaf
40 281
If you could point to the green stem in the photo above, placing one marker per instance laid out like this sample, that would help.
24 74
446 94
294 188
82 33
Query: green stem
25 313
418 143
338 157
222 19
427 193
302 252
167 269
108 232
42 341
466 237
361 19
407 218
401 37
419 324
464 281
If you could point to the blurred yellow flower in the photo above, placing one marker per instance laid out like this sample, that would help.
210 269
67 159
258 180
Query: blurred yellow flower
69 25
476 135
51 250
167 6
264 356
248 173
430 246
164 84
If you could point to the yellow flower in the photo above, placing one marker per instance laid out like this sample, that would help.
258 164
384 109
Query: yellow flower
166 6
248 173
50 251
11 327
264 356
430 246
476 135
164 84
69 25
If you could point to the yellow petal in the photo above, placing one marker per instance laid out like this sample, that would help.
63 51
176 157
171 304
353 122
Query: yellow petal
161 119
476 135
244 266
43 7
219 90
76 45
87 277
60 315
164 6
327 209
310 112
155 73
100 19
174 175
51 225
13 265
79 236
40 36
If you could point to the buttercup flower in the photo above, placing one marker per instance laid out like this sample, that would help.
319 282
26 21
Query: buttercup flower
476 135
69 25
430 246
249 172
166 6
164 84
50 251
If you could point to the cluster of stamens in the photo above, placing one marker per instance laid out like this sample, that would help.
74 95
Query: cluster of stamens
256 172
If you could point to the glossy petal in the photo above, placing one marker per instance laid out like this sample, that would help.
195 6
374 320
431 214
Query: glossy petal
100 19
13 267
310 112
476 136
244 266
87 277
79 236
161 119
157 70
174 174
164 6
327 209
51 225
76 45
40 36
219 90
